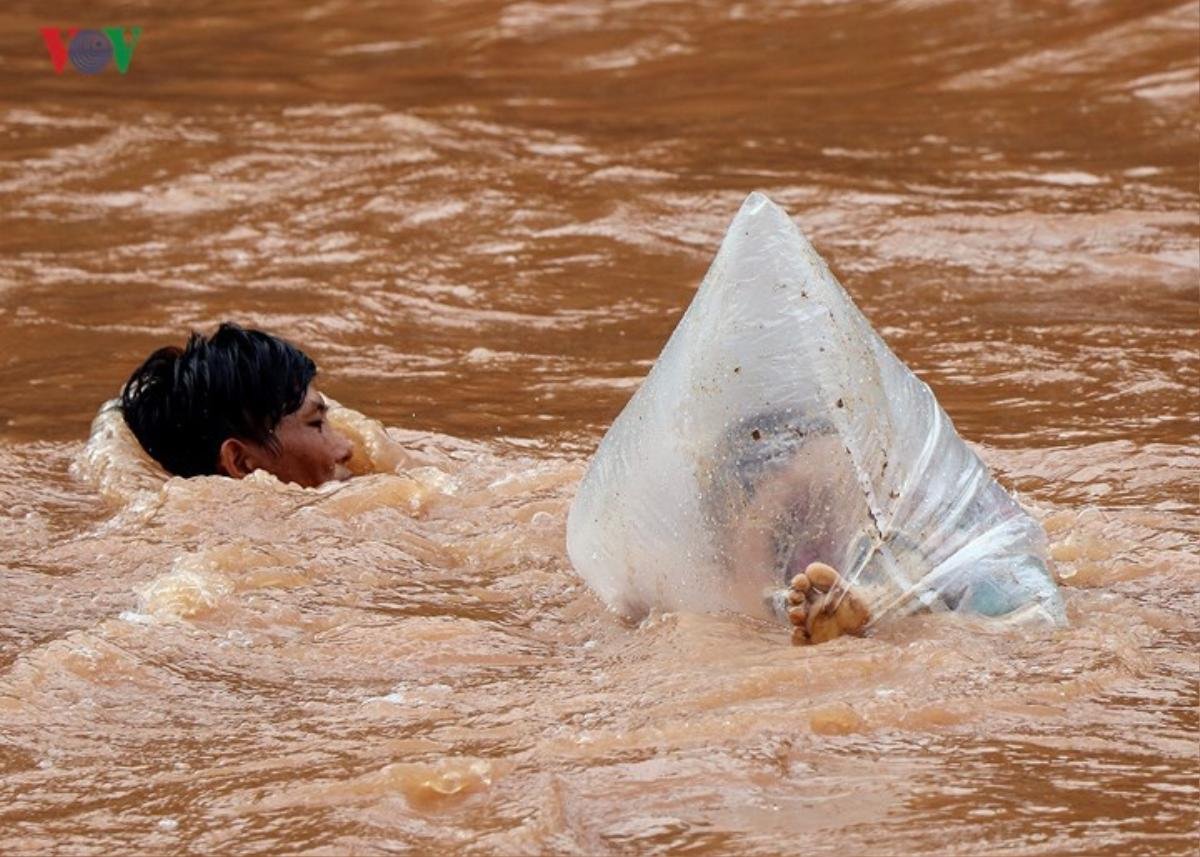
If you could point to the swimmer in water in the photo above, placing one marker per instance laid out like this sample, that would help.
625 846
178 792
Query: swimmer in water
230 404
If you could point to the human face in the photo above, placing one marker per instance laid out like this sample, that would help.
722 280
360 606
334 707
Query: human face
759 539
310 450
786 523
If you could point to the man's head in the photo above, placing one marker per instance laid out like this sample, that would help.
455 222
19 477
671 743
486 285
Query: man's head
230 404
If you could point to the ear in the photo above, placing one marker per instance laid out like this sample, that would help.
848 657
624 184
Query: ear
236 459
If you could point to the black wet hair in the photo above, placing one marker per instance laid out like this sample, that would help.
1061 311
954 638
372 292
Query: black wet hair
183 403
753 446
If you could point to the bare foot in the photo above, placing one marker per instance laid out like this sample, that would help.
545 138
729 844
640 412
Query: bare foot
823 606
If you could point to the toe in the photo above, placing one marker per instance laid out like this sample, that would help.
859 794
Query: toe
800 583
822 576
798 614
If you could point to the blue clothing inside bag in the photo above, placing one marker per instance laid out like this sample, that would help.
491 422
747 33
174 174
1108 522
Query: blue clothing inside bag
999 594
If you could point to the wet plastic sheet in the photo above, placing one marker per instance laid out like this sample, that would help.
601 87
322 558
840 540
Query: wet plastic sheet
777 428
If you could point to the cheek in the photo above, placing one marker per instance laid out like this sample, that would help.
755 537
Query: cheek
310 449
303 459
320 452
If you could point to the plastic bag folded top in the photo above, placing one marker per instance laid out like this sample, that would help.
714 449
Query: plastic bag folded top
777 428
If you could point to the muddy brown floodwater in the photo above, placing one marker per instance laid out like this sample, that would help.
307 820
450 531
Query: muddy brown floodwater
483 219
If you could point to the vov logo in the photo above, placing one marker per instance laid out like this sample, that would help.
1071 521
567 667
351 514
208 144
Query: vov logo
91 50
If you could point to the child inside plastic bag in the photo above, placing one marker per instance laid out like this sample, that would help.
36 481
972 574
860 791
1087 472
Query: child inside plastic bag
772 476
780 460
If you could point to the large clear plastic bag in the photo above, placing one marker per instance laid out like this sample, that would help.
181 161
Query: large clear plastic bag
777 428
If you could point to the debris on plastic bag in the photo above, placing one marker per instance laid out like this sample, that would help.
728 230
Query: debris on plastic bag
776 429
